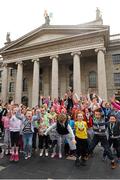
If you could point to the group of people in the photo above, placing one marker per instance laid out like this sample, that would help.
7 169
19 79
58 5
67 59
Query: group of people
72 126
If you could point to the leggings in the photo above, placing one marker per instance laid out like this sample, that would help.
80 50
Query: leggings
81 147
43 140
14 138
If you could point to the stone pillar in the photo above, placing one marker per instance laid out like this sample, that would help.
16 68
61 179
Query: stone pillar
35 88
102 85
76 73
19 83
4 83
54 93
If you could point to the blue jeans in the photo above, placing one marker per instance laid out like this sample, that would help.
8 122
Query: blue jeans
27 141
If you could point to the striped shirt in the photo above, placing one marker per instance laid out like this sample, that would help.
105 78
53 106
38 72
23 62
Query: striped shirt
27 128
99 127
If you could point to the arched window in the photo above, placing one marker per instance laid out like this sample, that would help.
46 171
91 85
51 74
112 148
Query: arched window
92 79
71 80
25 84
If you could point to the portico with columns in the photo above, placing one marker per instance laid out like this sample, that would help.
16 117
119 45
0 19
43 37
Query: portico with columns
53 58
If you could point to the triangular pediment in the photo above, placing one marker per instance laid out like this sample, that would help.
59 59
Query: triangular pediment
52 33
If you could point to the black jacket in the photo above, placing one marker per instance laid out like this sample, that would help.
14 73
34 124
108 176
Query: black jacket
114 129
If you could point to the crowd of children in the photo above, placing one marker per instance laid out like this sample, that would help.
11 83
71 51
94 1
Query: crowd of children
72 126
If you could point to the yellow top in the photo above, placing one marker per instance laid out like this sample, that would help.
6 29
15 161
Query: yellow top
81 129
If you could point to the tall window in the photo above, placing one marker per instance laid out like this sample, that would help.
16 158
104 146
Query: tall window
12 72
92 79
10 99
117 79
25 100
25 87
0 87
0 74
11 87
71 80
40 83
116 58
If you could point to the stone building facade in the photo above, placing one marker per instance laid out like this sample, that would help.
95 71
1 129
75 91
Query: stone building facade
52 58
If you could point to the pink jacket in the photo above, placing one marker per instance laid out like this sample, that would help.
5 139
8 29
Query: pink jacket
116 105
6 122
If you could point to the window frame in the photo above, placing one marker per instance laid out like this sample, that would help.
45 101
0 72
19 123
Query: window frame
25 85
116 79
116 58
92 84
11 86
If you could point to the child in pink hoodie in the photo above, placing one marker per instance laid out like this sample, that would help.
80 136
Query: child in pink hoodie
6 124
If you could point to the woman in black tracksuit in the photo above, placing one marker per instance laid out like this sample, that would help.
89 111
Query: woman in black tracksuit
114 135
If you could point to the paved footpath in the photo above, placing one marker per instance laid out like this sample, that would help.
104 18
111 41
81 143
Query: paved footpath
47 168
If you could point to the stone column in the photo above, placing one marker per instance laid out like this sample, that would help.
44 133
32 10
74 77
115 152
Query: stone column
102 85
76 73
35 88
4 83
19 83
54 93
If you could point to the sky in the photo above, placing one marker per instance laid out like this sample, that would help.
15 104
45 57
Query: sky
22 16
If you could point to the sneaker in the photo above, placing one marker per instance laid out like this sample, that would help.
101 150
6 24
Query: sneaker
60 155
29 155
86 158
41 152
77 162
6 152
71 158
26 157
53 155
113 165
2 154
46 152
16 157
10 151
12 157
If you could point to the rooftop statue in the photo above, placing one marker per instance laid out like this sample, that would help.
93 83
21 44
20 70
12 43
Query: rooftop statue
98 14
47 18
8 40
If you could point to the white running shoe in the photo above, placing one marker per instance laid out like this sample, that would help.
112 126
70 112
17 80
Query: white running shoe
46 152
41 152
6 152
53 155
29 155
26 157
60 155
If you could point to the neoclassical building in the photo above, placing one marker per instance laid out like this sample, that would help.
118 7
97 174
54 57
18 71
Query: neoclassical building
51 58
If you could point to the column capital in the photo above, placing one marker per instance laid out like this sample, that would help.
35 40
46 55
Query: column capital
79 53
4 64
54 56
37 60
100 49
19 62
